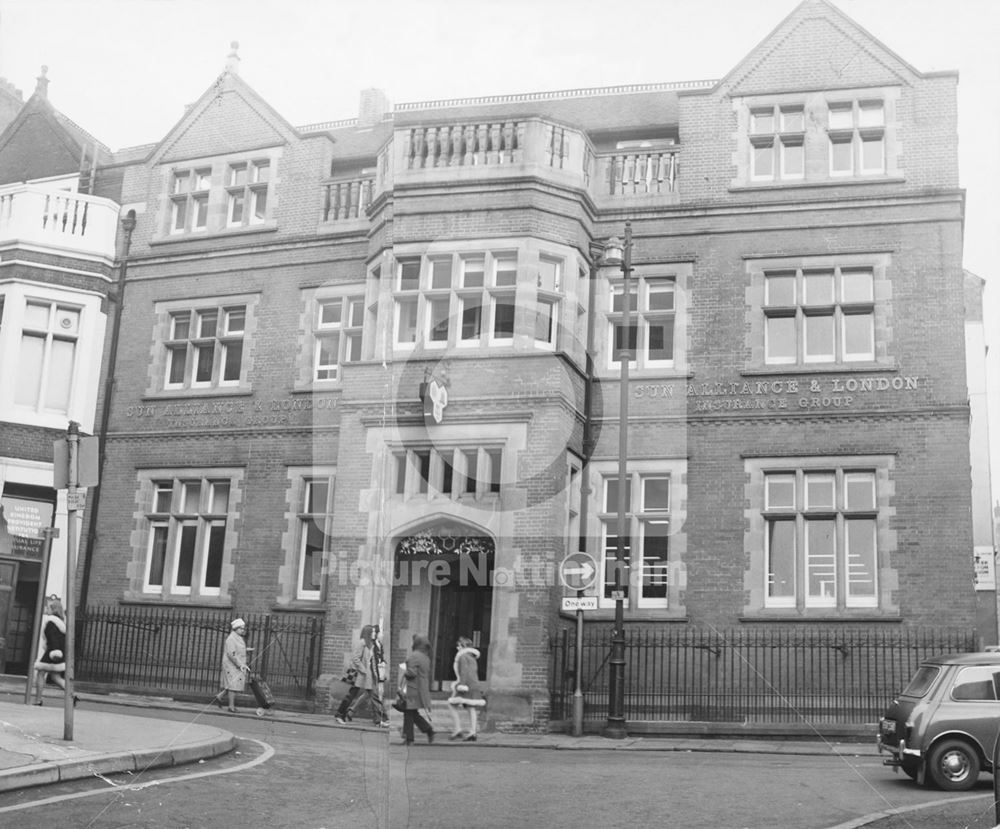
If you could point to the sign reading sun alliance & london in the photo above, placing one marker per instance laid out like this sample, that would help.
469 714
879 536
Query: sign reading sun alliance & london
781 394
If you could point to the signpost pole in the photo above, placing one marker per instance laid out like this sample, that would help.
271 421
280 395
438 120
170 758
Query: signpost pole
578 673
72 504
577 572
48 533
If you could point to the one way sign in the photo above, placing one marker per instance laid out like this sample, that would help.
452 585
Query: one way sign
578 571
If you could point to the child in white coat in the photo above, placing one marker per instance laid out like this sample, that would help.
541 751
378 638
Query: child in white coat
466 691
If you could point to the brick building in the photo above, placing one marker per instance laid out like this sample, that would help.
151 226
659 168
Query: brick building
58 223
366 369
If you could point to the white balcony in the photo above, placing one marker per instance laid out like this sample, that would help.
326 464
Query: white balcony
67 223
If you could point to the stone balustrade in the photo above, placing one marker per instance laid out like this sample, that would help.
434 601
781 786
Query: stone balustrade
60 219
492 148
347 199
463 145
638 173
509 147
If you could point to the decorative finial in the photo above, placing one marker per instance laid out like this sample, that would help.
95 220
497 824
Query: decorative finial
233 60
42 83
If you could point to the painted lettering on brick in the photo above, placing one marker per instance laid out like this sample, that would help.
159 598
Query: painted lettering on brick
222 414
777 394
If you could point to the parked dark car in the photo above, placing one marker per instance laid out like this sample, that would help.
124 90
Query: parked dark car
943 728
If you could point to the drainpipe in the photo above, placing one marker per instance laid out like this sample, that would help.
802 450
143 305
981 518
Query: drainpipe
118 298
588 401
585 489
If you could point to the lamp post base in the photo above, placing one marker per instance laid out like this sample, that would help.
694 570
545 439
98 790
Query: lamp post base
614 729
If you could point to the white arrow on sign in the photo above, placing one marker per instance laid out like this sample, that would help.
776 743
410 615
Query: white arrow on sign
578 571
585 571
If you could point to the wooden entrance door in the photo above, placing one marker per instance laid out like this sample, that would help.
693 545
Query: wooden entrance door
460 610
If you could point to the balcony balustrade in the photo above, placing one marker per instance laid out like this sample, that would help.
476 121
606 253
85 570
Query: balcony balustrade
509 148
347 199
494 149
67 222
464 145
639 173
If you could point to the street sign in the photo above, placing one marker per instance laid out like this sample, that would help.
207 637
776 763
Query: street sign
87 463
578 571
570 603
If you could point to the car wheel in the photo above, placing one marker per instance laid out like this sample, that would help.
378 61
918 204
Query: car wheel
954 765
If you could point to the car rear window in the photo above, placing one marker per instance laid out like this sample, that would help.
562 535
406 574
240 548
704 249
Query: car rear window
922 681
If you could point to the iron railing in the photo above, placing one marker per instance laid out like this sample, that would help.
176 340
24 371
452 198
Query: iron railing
748 676
175 650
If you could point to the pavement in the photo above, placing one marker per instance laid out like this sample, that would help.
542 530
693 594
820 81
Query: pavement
34 751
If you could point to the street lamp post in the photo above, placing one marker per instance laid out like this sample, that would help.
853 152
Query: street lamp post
620 253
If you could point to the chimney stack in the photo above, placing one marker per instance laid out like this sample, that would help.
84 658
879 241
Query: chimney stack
11 101
374 104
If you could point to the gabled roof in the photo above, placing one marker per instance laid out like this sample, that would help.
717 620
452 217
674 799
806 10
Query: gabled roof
842 54
41 142
230 116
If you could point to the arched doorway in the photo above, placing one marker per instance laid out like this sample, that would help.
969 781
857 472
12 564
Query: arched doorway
447 571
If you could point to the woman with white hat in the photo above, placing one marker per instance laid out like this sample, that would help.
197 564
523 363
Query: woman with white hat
234 664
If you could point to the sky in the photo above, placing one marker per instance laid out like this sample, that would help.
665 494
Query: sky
125 69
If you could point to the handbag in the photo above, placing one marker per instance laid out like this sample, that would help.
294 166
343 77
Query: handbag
400 702
350 677
381 671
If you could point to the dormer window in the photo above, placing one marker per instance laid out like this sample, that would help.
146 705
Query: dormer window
189 199
777 135
821 137
247 189
214 196
856 131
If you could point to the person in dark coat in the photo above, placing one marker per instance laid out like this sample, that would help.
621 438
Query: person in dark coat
418 690
51 663
465 690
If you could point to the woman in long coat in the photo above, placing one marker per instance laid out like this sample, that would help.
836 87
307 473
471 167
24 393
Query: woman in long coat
465 690
418 690
52 660
234 664
365 681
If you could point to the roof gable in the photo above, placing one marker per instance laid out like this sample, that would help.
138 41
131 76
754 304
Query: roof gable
41 143
229 117
817 47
